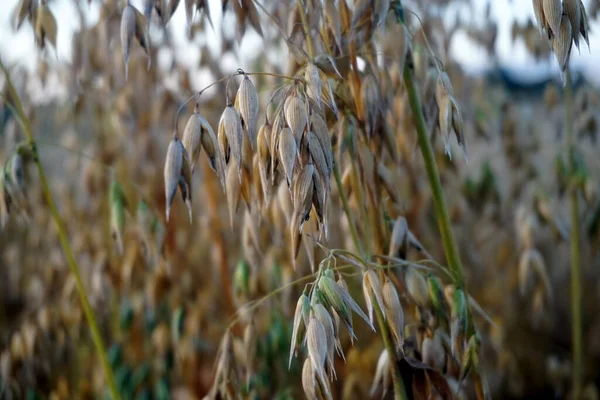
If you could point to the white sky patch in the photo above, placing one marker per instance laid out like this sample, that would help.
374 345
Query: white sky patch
19 47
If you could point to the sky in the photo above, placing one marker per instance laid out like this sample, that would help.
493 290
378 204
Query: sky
19 46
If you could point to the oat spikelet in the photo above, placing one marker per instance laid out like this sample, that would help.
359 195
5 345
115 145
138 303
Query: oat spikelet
173 165
399 239
234 190
299 325
432 351
562 43
264 158
322 315
45 26
319 127
318 157
295 115
383 373
394 312
309 383
553 12
230 128
316 341
192 137
372 291
538 9
246 101
211 148
417 287
185 182
573 12
127 33
303 194
287 150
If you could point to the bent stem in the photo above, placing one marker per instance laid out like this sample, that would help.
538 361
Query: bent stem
577 338
62 235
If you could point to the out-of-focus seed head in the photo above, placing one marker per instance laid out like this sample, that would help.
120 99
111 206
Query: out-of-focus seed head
372 291
417 287
399 239
172 173
241 280
117 213
394 312
127 33
247 104
432 351
185 181
436 294
460 320
383 374
287 153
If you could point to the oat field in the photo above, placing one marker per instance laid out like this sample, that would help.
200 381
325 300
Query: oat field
260 199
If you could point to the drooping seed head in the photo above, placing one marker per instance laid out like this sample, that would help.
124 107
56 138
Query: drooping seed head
553 13
316 342
127 34
372 290
247 104
562 43
399 239
394 312
323 316
287 153
319 127
172 172
192 137
264 158
318 157
296 115
211 147
432 351
301 316
417 287
231 136
185 181
383 373
302 193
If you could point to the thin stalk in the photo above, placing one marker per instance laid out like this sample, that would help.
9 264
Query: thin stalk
448 242
63 238
398 382
575 251
399 391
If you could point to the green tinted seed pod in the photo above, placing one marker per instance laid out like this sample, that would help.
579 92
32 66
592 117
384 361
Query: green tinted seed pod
241 280
436 294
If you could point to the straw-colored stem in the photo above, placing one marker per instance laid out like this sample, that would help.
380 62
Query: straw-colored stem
576 324
398 382
63 238
399 391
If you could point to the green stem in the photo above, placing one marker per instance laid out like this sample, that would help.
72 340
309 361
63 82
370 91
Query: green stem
448 242
63 238
575 253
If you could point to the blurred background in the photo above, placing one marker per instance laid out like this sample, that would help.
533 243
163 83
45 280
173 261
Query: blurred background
164 293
